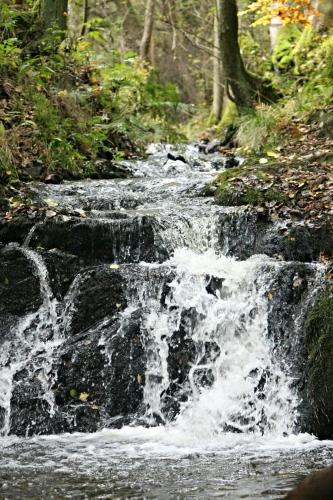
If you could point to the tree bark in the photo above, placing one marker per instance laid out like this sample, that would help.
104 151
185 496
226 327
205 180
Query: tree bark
325 20
54 12
242 87
85 17
218 87
147 30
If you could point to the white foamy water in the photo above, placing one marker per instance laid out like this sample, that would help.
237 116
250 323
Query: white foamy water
32 339
220 409
233 382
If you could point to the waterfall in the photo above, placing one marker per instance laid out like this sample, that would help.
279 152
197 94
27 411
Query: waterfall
190 321
218 307
31 341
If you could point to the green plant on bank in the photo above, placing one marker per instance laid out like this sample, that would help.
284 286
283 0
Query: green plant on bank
232 188
304 62
69 104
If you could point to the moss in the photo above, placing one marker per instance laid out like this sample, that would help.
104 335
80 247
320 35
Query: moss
283 52
250 196
233 190
319 343
230 115
319 324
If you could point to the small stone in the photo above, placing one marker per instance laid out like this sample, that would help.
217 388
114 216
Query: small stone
50 213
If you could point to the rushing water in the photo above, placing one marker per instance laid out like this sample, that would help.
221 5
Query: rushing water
227 426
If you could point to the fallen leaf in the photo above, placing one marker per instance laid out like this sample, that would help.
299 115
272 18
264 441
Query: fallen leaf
272 154
84 396
114 266
262 161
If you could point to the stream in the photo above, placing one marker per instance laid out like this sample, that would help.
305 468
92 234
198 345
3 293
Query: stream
153 346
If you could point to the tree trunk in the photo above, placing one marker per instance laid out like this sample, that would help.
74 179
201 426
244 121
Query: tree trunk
54 12
242 87
218 87
148 30
85 17
325 20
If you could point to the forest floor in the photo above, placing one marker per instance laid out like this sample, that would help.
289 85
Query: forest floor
295 180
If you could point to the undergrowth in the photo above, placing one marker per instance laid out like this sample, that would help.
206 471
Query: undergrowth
65 105
305 76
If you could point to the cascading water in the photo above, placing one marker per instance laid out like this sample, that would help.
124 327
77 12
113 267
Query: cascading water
176 348
33 339
233 382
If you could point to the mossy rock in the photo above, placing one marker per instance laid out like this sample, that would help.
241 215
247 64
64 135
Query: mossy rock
319 343
232 188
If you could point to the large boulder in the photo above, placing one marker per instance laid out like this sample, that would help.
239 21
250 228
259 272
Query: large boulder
95 377
245 232
319 345
121 239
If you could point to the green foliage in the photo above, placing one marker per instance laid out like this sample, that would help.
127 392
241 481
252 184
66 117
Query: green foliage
283 53
262 127
71 104
307 86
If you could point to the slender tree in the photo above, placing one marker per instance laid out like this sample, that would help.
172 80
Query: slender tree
54 12
147 30
85 17
218 87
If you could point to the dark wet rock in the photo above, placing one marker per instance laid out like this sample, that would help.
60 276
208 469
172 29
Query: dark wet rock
2 416
173 157
183 354
288 299
319 367
32 172
4 204
248 232
19 284
306 242
231 161
54 178
202 146
62 268
214 285
316 486
30 412
108 169
213 146
98 381
15 231
98 373
97 294
94 241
